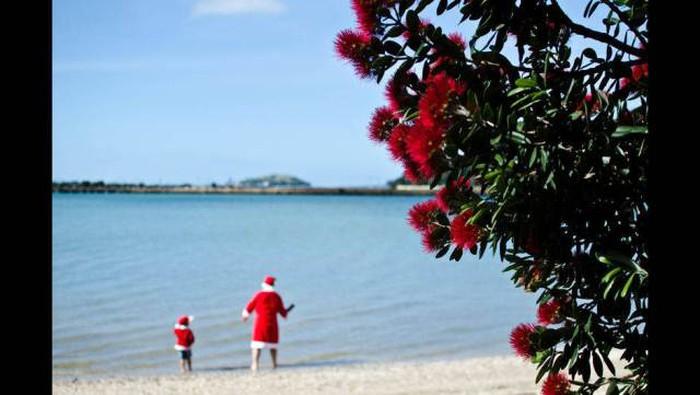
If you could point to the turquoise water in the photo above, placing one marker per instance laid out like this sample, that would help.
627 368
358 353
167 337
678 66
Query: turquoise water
126 266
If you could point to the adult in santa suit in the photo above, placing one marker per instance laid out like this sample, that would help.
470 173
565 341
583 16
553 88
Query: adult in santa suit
266 304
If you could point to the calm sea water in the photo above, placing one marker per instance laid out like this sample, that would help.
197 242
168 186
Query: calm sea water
126 266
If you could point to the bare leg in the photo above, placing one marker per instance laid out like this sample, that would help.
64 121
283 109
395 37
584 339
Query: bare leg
273 354
182 366
189 364
255 354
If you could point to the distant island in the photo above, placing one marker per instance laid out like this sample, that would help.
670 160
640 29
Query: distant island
274 181
274 184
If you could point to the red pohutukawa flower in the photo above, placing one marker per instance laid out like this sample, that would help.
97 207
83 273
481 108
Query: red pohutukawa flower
422 215
396 93
556 384
425 148
383 121
353 46
399 152
521 342
448 192
411 171
548 313
532 244
366 13
464 235
434 240
640 71
591 101
397 142
438 101
624 81
458 40
536 276
422 24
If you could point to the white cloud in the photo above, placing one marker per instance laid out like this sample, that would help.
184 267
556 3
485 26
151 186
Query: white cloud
229 7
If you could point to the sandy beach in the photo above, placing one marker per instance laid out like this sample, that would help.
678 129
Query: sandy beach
488 375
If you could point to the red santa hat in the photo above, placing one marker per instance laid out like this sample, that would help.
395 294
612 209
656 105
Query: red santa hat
185 320
269 280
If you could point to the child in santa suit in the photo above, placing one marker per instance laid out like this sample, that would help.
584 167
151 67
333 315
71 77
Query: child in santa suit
266 304
184 338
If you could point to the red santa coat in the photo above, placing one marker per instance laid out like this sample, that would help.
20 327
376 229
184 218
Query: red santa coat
266 304
184 338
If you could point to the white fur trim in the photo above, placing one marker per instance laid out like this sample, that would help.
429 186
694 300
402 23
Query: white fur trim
259 344
267 287
190 318
245 313
178 326
181 348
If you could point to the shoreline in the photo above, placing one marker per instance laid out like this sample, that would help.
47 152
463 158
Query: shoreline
250 191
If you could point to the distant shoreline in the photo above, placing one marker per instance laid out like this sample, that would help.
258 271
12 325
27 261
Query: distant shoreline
225 190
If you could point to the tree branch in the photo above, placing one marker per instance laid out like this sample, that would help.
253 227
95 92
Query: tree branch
602 37
623 18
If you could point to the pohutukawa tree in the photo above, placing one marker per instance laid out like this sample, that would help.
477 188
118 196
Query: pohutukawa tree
540 156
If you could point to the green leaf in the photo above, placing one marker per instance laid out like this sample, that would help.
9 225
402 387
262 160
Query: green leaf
575 115
499 159
382 62
518 138
608 288
530 104
405 66
533 157
544 369
592 10
622 131
590 53
627 286
518 90
441 7
442 252
574 357
412 20
610 21
436 180
395 31
525 83
550 180
611 274
392 47
404 5
612 389
587 326
456 254
608 363
585 367
544 159
597 364
422 5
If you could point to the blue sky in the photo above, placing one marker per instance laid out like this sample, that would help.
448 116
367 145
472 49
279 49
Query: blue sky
207 91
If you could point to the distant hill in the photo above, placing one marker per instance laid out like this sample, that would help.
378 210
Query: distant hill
274 181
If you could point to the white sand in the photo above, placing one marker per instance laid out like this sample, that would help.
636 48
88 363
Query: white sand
492 375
